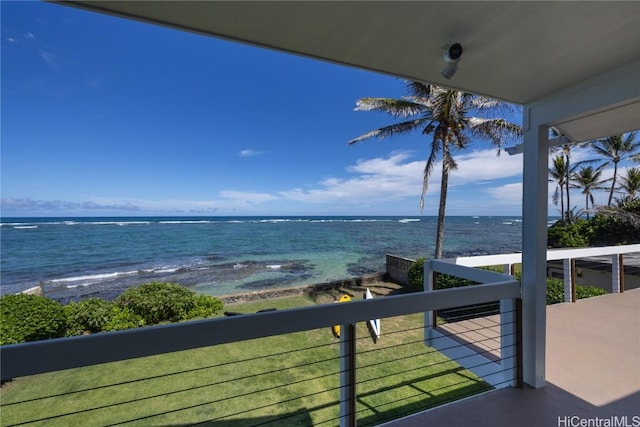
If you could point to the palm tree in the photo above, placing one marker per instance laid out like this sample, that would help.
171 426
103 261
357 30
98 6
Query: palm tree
569 169
444 114
589 180
615 148
558 173
631 184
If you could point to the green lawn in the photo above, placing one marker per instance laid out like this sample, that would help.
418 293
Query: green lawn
248 383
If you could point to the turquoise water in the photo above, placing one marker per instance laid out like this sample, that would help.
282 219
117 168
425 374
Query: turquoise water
80 257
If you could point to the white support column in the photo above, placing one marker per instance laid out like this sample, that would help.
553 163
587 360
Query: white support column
534 252
568 279
429 323
615 274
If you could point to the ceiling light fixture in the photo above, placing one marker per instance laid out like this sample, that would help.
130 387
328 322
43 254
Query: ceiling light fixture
451 54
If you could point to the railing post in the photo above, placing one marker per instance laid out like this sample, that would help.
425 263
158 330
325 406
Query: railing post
348 375
621 270
573 280
569 278
617 274
507 269
508 341
519 339
429 316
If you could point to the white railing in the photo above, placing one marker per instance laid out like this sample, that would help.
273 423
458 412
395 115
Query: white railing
568 256
501 373
64 353
58 354
18 360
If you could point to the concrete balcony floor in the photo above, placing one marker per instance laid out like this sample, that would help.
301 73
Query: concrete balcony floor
593 372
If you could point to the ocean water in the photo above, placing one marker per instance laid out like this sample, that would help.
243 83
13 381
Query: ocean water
74 258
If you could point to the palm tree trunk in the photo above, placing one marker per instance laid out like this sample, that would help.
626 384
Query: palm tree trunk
444 183
613 183
569 219
562 202
587 205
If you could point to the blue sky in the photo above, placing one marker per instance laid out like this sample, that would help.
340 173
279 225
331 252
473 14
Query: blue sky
105 116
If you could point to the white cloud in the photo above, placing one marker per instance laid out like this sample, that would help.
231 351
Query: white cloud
249 153
378 180
381 180
508 195
484 165
391 183
48 58
247 197
30 35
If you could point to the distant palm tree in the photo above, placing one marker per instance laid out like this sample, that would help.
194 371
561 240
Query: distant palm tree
558 173
588 179
615 149
446 115
568 170
631 184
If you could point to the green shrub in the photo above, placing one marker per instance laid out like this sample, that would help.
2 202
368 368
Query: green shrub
588 292
159 302
569 235
612 229
205 306
97 315
121 319
415 274
87 316
30 318
555 291
443 281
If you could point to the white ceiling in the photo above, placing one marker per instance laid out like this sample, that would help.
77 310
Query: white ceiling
517 51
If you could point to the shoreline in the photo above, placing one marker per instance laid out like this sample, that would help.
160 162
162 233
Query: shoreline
353 283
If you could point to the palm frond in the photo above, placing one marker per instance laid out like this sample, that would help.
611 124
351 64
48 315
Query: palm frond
395 107
485 106
497 131
391 130
419 90
436 146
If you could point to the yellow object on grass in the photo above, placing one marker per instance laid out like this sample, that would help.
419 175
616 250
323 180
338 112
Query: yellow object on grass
336 328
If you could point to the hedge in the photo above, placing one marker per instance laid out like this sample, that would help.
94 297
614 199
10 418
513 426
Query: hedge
32 317
29 318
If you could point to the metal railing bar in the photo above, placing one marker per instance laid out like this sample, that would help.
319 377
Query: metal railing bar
445 334
379 349
64 353
191 388
224 381
269 388
240 412
460 368
438 350
453 310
